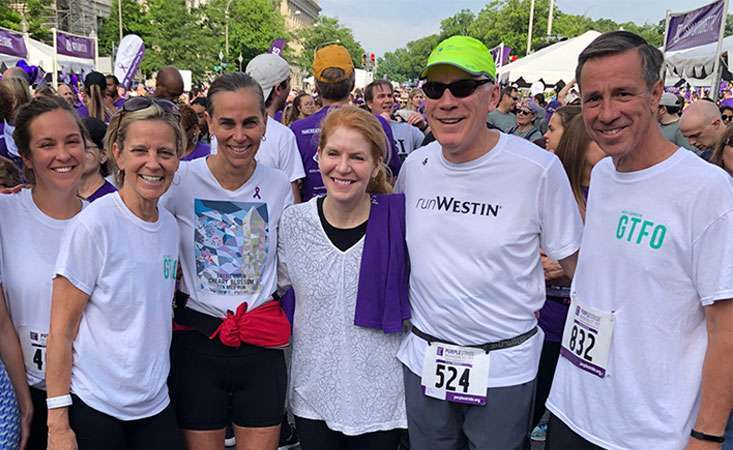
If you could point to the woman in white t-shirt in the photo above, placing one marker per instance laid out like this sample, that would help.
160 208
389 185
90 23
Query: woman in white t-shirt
227 363
109 340
50 140
346 387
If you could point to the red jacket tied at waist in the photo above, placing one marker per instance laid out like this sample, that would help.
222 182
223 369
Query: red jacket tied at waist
265 326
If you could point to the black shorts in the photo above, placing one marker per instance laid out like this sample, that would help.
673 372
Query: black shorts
213 385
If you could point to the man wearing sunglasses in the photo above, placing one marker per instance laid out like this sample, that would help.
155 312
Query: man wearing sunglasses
503 116
479 205
668 115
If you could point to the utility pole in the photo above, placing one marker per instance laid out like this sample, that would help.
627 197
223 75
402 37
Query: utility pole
549 18
119 16
531 24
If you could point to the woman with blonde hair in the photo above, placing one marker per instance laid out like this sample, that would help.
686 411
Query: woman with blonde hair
345 256
95 84
114 279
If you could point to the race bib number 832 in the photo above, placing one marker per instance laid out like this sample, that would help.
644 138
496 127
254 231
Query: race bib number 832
586 338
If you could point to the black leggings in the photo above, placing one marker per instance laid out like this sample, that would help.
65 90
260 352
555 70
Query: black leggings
545 374
96 430
38 439
315 435
561 437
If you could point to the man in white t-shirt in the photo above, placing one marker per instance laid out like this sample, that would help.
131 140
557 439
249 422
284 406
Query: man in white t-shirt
279 148
646 351
480 205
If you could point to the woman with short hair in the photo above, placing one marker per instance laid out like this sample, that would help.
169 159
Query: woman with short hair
109 342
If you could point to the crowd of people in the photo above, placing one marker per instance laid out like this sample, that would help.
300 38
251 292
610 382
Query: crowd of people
457 265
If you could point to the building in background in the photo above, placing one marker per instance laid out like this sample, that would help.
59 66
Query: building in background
298 14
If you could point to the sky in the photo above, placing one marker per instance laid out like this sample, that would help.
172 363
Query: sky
384 25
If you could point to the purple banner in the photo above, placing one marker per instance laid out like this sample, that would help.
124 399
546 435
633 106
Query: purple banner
12 44
70 45
697 27
277 47
503 58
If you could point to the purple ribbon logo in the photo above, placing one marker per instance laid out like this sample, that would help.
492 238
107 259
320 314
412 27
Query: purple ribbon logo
257 193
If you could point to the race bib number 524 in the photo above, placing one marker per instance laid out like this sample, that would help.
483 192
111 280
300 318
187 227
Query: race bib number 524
456 374
586 338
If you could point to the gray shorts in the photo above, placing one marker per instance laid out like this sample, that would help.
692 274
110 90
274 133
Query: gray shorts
439 425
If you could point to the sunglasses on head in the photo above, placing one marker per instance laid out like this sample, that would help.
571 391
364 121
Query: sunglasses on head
460 89
139 103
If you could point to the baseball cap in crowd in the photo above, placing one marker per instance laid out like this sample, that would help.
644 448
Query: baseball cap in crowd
669 99
95 79
332 56
269 70
466 53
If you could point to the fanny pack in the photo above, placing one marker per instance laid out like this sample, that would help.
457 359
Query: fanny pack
265 326
499 345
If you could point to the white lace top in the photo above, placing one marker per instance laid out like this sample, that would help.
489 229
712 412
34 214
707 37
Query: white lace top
345 375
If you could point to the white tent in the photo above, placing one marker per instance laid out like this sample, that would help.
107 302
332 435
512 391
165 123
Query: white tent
696 62
40 54
551 64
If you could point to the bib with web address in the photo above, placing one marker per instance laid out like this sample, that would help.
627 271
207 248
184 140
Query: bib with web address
33 344
455 374
586 338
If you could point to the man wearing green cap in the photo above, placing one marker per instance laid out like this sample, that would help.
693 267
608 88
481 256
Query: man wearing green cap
480 206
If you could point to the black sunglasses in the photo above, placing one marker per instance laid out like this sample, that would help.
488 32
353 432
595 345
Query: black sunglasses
460 89
726 117
139 103
524 111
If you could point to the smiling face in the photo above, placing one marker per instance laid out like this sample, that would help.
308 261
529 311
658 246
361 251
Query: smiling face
618 108
459 123
56 150
239 125
148 159
93 158
347 164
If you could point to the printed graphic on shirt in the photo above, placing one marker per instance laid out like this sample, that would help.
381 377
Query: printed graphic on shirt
454 205
230 243
632 227
170 267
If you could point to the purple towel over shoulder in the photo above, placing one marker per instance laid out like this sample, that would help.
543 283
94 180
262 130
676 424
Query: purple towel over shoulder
382 300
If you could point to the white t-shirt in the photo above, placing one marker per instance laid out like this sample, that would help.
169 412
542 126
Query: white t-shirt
128 268
406 137
343 374
278 149
474 233
657 248
29 241
228 238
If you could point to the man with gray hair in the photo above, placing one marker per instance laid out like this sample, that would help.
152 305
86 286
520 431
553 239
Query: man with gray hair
702 126
646 350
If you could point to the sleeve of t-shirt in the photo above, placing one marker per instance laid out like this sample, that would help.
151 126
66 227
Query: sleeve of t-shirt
560 223
79 260
417 137
292 164
712 262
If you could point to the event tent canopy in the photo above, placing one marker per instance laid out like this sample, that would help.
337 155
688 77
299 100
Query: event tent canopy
551 64
696 62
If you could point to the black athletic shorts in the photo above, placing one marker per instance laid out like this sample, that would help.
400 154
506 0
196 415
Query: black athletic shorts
213 385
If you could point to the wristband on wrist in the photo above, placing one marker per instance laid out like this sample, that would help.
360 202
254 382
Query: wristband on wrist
61 401
707 437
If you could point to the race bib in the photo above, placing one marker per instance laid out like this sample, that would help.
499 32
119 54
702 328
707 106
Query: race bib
456 374
33 343
586 338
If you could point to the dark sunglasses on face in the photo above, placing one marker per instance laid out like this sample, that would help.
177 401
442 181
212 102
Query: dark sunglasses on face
524 111
139 103
726 117
460 89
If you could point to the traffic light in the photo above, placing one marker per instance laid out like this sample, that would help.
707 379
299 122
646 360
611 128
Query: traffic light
372 58
363 59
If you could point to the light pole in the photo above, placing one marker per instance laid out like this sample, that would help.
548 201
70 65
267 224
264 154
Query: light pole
226 27
221 62
240 59
119 16
531 24
549 18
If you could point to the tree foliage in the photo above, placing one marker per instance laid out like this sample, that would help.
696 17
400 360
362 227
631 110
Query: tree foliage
506 21
37 13
327 30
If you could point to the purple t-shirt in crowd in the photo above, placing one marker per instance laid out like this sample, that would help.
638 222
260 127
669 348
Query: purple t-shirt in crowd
106 188
279 116
307 133
82 110
119 103
200 151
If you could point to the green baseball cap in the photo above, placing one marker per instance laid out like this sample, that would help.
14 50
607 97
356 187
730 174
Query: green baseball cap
466 53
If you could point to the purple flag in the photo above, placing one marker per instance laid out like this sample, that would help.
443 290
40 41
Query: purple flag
277 47
501 54
71 45
697 27
12 44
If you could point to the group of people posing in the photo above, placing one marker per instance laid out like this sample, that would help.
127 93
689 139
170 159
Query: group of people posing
453 295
